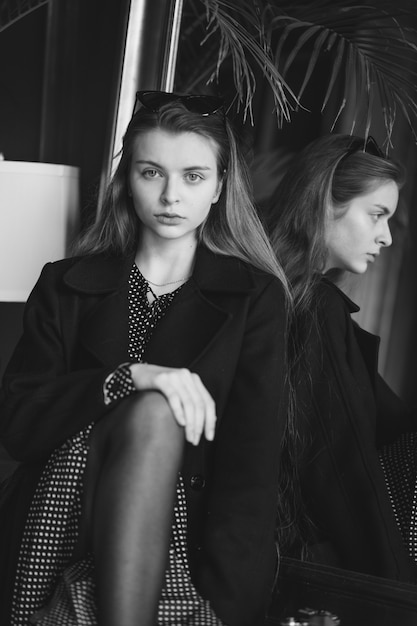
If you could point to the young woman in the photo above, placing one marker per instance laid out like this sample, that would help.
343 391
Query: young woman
146 398
330 217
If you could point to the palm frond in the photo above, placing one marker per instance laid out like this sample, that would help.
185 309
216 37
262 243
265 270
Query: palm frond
370 51
239 29
12 11
372 45
319 41
340 53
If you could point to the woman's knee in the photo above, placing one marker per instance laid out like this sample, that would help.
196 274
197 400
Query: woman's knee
141 418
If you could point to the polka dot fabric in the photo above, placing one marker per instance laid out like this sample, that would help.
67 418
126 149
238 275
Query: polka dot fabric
73 602
119 384
143 316
180 603
50 590
51 529
399 463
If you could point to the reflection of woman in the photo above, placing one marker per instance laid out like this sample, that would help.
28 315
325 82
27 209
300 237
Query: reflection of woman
330 217
171 316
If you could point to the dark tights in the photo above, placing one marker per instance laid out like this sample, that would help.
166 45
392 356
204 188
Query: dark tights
130 485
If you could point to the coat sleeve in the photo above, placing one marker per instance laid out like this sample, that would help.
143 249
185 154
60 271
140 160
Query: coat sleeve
239 555
43 401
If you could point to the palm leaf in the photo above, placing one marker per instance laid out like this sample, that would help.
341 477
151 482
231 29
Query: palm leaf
217 32
340 54
240 31
319 42
376 51
372 49
13 10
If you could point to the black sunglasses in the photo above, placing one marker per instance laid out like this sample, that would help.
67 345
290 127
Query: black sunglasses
201 104
369 146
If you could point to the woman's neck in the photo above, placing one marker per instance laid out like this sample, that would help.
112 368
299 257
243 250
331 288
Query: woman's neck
167 265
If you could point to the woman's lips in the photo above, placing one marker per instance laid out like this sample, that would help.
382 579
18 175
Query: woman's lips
170 219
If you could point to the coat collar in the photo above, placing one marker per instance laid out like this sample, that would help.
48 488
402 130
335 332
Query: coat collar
98 274
367 342
199 313
351 306
102 274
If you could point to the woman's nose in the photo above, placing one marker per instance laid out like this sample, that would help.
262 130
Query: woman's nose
170 192
385 238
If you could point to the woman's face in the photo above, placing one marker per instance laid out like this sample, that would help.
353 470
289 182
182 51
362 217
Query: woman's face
173 181
355 239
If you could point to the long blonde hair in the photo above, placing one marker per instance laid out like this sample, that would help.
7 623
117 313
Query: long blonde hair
233 227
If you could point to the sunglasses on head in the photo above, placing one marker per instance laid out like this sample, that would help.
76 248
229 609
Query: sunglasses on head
201 104
369 146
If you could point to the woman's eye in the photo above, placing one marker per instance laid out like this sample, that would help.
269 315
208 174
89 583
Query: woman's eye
150 173
193 177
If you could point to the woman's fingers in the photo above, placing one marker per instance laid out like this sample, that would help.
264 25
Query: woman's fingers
190 402
167 384
192 405
210 410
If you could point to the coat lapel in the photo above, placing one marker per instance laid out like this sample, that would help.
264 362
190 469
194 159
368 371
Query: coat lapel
186 330
104 331
194 320
200 312
368 343
104 326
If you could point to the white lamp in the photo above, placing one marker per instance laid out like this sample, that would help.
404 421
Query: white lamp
38 218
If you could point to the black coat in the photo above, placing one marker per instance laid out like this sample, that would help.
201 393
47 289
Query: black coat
228 324
352 413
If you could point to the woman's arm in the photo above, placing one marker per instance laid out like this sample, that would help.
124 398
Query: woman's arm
42 401
47 396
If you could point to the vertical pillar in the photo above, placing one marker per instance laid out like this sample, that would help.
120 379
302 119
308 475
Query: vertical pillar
149 59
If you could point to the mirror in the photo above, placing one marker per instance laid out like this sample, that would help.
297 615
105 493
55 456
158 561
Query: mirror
387 293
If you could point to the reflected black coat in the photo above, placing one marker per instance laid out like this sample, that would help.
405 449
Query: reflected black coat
352 413
227 324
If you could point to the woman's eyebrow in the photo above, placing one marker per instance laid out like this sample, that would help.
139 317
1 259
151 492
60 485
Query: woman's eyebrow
147 162
186 169
384 208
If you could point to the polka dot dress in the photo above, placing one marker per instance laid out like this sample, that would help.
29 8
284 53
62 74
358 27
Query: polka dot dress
50 590
399 464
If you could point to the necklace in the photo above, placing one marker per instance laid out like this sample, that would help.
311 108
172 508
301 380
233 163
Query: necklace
172 282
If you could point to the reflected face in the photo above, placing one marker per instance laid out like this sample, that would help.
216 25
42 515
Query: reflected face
173 181
355 238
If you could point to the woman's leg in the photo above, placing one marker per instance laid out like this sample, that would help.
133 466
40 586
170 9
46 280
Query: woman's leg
130 485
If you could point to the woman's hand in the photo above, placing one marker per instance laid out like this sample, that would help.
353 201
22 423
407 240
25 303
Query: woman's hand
192 405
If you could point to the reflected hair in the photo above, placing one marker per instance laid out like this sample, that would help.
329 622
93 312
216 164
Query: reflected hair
325 176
